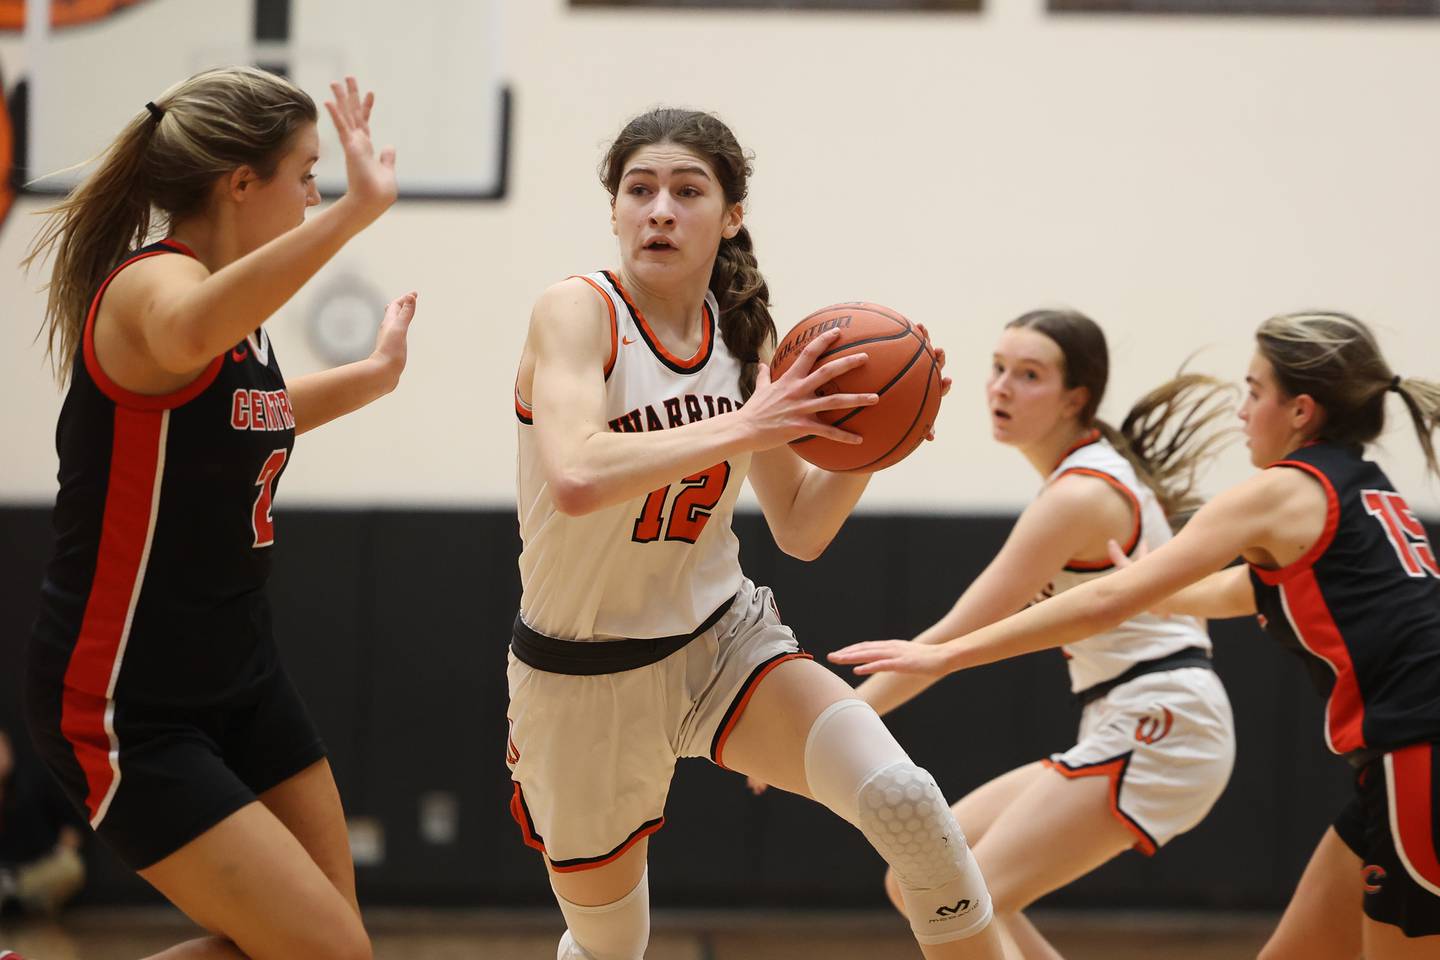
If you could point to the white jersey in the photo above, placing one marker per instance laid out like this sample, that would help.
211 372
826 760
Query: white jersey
1105 656
656 565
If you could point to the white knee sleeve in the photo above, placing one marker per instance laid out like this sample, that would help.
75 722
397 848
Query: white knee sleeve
612 931
855 767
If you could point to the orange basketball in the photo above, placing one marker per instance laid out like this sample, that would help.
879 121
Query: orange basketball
901 368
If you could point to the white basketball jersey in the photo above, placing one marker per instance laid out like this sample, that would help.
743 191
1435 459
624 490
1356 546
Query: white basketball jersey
657 565
1145 637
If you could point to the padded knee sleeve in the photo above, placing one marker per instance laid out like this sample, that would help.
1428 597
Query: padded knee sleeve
612 931
855 767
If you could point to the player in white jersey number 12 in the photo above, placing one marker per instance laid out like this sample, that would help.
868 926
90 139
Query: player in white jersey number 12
644 401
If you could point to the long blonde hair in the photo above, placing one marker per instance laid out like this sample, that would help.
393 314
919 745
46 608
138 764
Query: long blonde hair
165 161
1336 360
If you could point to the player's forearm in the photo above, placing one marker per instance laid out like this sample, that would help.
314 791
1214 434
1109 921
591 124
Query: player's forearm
888 691
1226 593
236 299
318 398
822 503
607 468
1072 616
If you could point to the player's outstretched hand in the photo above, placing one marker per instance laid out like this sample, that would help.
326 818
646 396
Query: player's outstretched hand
370 179
391 343
786 409
894 656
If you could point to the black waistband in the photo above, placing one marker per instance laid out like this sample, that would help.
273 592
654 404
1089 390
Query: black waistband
592 657
1189 657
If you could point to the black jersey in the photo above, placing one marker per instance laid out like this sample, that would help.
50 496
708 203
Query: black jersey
163 530
1363 606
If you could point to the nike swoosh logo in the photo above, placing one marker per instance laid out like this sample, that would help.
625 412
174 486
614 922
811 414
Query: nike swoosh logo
626 340
239 354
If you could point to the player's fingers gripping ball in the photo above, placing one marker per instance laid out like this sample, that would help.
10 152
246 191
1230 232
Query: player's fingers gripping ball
902 368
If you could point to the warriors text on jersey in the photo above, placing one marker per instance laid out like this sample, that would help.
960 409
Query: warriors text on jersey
1363 606
657 565
163 528
1145 636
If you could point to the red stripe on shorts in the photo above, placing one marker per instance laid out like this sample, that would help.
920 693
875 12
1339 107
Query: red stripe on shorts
137 461
1411 785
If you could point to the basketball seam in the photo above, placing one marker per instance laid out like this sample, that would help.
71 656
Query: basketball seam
860 343
893 380
919 410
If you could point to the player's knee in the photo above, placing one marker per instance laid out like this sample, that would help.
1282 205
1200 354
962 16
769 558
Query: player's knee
905 817
855 767
613 931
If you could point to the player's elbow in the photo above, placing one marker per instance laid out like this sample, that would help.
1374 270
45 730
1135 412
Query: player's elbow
801 545
806 552
573 495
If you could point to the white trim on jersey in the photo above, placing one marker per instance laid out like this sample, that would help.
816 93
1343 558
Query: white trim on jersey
1300 636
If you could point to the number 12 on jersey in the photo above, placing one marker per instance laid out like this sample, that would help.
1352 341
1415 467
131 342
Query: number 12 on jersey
694 502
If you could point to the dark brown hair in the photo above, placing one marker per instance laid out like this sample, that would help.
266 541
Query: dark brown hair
1167 434
739 288
1336 360
166 160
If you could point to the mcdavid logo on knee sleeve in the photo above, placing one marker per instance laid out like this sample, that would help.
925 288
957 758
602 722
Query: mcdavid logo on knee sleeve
960 908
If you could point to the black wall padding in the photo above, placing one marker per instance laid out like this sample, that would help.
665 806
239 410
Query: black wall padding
395 624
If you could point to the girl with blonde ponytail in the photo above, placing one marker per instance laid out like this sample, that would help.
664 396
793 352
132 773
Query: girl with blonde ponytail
155 690
1339 570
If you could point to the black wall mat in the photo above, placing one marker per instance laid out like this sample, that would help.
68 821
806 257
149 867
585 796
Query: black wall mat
395 624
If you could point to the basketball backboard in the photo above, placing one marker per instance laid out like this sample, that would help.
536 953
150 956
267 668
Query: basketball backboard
435 67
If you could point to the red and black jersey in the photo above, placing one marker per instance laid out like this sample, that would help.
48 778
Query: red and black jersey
163 530
1363 606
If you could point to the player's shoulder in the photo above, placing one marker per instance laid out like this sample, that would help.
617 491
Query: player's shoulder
1278 494
572 314
573 296
1085 487
157 274
1084 501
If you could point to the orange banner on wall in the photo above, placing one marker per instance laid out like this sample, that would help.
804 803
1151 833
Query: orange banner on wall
63 13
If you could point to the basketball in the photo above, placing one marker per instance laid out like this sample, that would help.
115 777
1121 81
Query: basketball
901 368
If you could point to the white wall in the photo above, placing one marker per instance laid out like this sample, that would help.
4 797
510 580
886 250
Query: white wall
1177 178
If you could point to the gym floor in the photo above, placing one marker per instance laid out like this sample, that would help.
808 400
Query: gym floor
119 934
